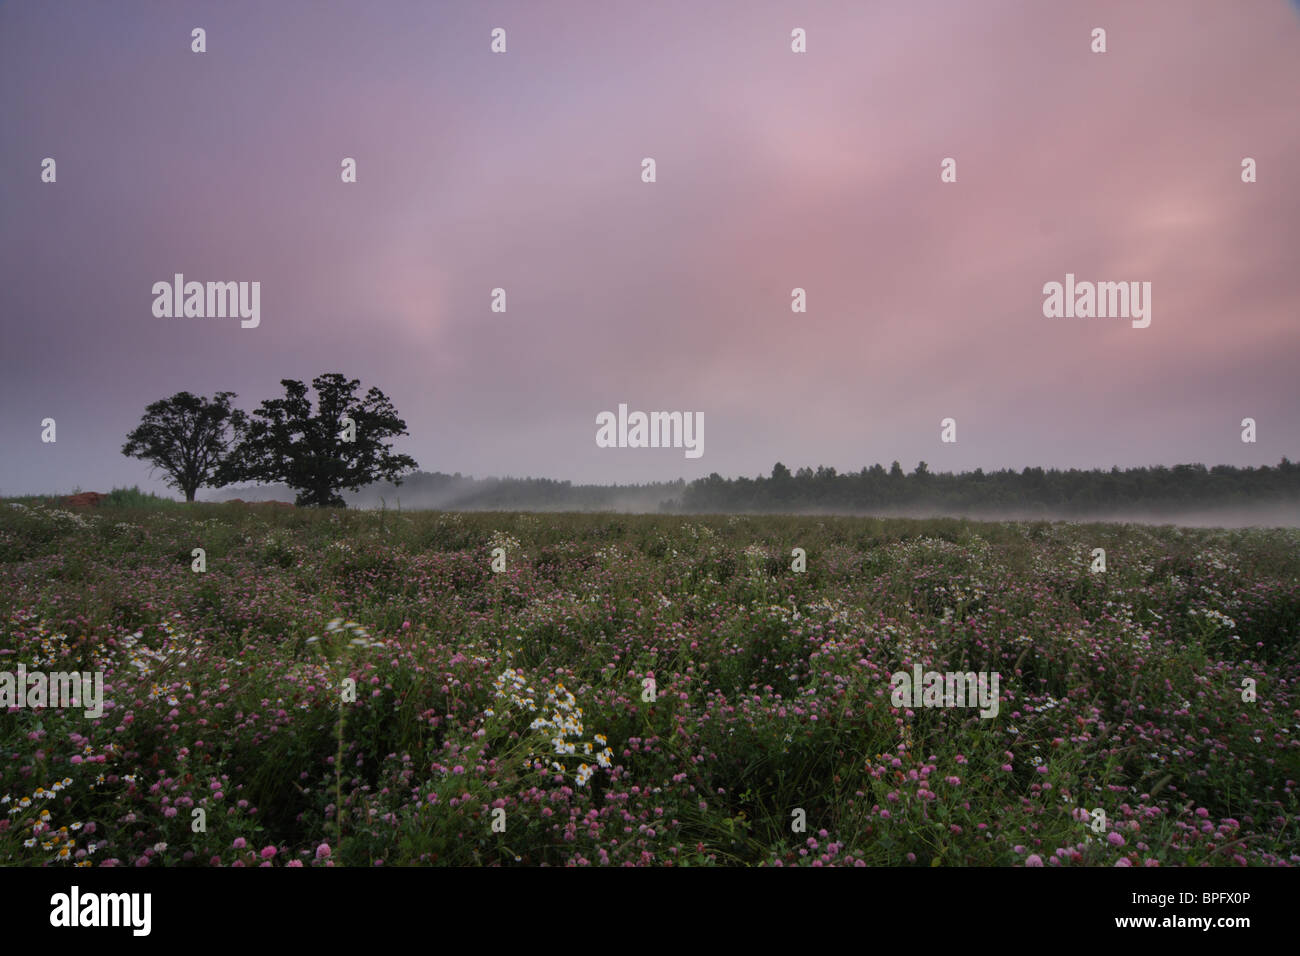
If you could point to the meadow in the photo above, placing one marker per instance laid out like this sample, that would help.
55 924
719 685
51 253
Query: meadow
503 717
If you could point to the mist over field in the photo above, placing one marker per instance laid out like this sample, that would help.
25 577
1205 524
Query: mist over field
641 501
1186 495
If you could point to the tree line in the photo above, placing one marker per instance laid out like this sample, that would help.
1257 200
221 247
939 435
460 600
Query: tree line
1073 491
342 445
1050 492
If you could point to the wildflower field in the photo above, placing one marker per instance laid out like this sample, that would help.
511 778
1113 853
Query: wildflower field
505 716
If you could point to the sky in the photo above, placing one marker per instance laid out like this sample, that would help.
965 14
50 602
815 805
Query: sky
774 170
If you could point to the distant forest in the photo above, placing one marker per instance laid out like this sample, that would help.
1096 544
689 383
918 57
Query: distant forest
1072 492
1049 492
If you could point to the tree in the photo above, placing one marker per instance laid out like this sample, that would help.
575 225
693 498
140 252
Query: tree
186 436
310 452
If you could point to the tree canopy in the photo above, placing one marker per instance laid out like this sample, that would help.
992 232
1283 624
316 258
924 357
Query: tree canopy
188 437
319 453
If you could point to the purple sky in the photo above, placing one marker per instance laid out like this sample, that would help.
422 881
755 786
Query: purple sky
775 170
